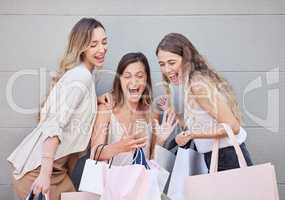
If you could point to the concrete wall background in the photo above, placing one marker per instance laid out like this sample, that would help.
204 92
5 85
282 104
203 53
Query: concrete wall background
243 40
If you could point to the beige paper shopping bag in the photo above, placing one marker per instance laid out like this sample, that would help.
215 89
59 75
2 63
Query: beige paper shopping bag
245 183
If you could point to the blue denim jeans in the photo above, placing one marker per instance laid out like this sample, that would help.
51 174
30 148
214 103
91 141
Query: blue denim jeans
228 158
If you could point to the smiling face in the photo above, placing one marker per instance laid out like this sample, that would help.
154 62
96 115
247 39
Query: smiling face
94 55
170 66
133 81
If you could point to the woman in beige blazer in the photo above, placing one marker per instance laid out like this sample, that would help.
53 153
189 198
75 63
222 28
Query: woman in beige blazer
66 119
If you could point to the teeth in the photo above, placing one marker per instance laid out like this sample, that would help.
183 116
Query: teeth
133 91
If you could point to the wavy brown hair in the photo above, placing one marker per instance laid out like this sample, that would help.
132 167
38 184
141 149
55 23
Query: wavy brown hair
194 64
117 91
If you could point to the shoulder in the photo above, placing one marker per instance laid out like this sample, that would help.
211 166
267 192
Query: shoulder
79 74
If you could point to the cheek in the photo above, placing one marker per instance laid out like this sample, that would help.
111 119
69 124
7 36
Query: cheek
123 84
143 84
88 54
178 67
162 69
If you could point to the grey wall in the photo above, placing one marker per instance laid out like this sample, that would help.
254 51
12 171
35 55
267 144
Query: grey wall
243 40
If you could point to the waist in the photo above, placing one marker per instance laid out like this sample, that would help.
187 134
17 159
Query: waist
206 145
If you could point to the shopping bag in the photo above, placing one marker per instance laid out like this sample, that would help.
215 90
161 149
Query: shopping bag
92 179
247 182
79 196
132 182
164 158
188 163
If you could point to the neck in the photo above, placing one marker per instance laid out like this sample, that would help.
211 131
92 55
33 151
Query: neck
130 106
89 66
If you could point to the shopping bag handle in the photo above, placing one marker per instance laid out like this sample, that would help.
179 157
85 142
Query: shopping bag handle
40 197
94 151
215 151
139 158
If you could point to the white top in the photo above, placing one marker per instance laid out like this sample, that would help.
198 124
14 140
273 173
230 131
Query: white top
116 132
69 114
197 119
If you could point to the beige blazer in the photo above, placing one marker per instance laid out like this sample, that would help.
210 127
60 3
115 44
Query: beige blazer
69 113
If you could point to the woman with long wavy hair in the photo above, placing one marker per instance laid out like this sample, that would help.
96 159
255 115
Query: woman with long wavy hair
66 117
208 100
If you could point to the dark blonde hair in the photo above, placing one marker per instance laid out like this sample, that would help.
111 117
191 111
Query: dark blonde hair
79 40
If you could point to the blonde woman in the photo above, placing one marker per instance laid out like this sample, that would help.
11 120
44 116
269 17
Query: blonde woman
208 100
66 118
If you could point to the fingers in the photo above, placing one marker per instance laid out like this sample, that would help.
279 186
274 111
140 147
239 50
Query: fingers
171 117
182 138
109 99
164 116
162 100
174 125
156 124
140 140
137 146
37 190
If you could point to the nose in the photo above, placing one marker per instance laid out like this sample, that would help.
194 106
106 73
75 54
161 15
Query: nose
102 48
168 69
133 81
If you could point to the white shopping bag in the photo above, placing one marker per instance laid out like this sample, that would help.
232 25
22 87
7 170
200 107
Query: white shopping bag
188 163
92 179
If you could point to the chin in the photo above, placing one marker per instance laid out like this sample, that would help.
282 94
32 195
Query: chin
98 66
134 99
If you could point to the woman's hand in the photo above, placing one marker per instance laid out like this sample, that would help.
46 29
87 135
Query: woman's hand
41 184
167 126
131 143
106 99
183 138
163 103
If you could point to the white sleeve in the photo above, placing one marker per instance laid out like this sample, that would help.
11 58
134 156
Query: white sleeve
63 101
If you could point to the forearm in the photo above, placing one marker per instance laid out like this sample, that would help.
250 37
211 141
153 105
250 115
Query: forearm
109 152
217 132
49 149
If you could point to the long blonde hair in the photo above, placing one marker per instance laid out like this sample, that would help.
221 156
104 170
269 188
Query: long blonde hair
79 40
193 64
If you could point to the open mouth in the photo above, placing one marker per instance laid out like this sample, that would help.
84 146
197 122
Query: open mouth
173 78
100 58
134 91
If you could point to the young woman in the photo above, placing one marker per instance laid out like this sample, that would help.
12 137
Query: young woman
66 119
128 124
208 100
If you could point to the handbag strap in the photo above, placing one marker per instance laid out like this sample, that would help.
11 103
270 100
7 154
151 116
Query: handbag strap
94 151
139 158
215 151
40 197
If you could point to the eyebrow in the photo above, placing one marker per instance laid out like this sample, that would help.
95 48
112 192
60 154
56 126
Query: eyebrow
170 60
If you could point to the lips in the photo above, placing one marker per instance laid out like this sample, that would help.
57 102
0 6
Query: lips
173 78
100 58
134 91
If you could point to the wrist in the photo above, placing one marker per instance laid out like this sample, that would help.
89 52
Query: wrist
45 172
160 140
117 148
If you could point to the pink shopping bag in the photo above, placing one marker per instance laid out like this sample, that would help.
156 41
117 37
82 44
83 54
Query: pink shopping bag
247 183
79 196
